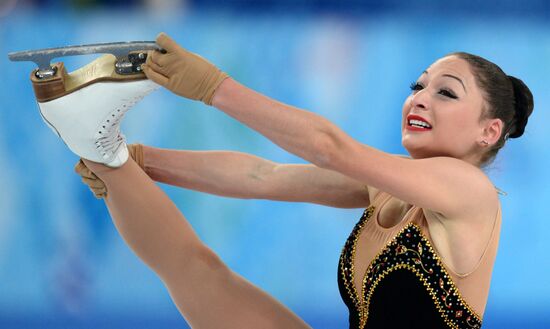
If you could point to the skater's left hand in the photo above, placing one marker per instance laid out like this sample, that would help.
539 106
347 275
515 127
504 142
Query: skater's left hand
95 184
183 72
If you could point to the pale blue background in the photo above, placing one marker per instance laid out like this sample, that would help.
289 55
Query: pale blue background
62 264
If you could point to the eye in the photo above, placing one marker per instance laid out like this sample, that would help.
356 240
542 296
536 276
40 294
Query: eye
447 93
415 86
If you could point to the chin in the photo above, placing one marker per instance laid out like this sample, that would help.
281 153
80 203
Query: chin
418 155
416 152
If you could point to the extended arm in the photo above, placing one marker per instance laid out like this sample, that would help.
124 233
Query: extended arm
240 175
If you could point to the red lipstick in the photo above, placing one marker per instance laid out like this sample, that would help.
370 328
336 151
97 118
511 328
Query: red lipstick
419 123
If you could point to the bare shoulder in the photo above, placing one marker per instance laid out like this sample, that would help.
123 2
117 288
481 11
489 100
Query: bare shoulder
459 189
479 197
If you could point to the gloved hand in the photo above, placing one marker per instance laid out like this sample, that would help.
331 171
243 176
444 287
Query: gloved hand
95 184
183 72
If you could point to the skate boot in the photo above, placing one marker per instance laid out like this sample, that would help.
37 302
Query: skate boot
85 107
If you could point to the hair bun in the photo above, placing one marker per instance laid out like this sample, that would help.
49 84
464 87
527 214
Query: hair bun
523 106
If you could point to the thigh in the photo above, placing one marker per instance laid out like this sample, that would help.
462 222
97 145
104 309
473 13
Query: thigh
210 295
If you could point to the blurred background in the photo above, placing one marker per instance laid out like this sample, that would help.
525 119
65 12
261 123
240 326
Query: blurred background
63 265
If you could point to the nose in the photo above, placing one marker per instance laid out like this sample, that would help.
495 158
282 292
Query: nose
420 99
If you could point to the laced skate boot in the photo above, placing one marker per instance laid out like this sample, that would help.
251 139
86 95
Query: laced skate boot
85 108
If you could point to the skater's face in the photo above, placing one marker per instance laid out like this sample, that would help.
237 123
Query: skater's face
447 97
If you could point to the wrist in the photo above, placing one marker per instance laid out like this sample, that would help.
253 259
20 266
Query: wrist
216 80
222 91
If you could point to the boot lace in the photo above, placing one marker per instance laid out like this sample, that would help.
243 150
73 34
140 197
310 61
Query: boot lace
111 137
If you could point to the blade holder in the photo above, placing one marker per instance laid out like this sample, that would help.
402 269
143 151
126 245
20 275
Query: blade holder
127 60
130 64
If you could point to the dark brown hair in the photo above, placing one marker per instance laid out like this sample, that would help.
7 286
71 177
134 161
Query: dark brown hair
507 97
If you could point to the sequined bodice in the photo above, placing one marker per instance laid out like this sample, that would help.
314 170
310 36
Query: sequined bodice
405 286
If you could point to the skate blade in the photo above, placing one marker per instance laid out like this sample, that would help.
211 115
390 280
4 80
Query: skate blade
121 50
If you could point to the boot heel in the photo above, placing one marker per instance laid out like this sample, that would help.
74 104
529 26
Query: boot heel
50 88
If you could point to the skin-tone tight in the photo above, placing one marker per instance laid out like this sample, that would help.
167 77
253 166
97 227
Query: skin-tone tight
206 292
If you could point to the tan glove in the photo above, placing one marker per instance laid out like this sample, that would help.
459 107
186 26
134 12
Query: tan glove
183 72
95 184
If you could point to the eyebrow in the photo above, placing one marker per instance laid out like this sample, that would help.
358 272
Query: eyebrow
451 76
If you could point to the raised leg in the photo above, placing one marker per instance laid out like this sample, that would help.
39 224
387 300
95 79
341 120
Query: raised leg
206 292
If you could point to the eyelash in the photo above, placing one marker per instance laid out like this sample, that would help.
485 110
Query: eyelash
415 86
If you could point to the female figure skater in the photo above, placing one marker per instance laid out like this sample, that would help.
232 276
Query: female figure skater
422 254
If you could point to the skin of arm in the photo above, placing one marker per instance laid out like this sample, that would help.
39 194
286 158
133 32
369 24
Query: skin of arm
451 187
241 175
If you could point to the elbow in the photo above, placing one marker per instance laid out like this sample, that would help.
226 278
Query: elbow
259 183
328 149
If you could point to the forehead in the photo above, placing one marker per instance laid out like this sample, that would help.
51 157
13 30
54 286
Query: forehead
453 65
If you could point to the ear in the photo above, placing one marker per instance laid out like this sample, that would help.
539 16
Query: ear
492 129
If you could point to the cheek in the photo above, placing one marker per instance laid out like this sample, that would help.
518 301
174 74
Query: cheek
406 107
456 123
407 103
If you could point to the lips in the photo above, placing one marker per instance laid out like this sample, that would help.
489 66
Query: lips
417 123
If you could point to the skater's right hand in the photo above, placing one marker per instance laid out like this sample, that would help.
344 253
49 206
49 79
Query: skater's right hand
183 72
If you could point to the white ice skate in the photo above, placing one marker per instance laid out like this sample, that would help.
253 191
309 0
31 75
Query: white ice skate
85 108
